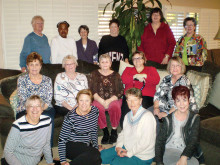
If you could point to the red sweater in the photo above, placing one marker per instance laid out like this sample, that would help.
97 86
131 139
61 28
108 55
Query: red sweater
152 80
156 46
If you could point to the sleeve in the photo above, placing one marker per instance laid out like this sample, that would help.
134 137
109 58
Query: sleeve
119 86
64 134
59 91
126 49
158 93
91 82
120 139
22 92
141 47
48 89
202 51
171 41
177 48
26 50
86 82
161 142
11 143
148 135
101 47
95 49
54 51
152 77
47 149
193 141
75 49
127 76
94 133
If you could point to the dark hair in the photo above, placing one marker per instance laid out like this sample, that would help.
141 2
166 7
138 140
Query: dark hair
34 56
156 10
180 91
85 27
114 21
134 92
189 19
63 22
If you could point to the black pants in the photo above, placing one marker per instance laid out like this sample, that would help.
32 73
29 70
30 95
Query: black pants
61 110
3 162
146 103
81 154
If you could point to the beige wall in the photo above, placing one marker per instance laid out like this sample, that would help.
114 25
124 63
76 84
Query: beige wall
1 53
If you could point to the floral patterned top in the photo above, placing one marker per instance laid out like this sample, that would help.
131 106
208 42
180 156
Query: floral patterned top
27 88
106 86
66 89
164 93
196 49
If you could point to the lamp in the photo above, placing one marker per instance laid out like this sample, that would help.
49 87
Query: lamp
217 37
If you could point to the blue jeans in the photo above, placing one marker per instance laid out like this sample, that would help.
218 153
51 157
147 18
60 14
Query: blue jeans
109 156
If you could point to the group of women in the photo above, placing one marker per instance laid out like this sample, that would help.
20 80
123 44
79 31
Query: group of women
84 109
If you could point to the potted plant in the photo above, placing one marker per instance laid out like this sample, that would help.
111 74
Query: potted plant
133 17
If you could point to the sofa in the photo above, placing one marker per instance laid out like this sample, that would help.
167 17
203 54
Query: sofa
210 114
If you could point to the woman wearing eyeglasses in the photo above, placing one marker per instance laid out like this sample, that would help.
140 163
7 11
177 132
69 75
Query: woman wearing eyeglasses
191 47
142 77
67 85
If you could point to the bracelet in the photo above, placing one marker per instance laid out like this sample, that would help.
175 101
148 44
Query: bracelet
167 56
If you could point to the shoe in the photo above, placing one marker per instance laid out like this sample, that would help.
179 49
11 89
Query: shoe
105 138
113 137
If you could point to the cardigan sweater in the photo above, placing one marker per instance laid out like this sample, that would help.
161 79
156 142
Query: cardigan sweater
61 47
90 51
139 134
155 46
35 43
151 81
26 142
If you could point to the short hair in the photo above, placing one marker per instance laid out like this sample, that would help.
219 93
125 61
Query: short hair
34 56
35 18
85 92
69 57
85 27
189 19
134 92
180 61
105 56
32 98
140 53
156 10
180 91
114 21
63 22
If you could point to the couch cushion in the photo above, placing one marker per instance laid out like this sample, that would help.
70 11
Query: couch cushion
5 108
211 68
123 66
162 73
210 130
214 97
208 112
14 101
203 80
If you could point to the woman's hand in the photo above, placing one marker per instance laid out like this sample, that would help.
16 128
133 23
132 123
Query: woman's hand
140 77
108 101
156 111
121 152
182 161
165 59
65 163
101 148
161 115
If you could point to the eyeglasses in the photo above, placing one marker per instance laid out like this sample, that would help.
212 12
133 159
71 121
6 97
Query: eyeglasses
138 58
70 64
189 26
34 106
175 66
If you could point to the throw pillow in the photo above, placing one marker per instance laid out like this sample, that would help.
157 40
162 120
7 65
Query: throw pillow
122 67
14 101
215 92
197 94
204 81
162 73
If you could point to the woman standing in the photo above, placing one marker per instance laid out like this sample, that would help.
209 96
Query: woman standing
67 85
191 47
107 88
29 136
157 41
178 139
87 49
78 140
163 101
136 142
141 77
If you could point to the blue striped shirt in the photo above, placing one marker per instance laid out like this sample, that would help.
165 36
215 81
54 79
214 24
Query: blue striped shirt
77 128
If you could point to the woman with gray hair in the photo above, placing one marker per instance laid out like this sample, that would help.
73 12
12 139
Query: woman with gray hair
67 85
29 136
36 41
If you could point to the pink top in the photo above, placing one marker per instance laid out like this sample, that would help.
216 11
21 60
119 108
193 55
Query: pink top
152 80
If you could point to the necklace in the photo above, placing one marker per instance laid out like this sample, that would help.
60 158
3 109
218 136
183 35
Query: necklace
86 115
